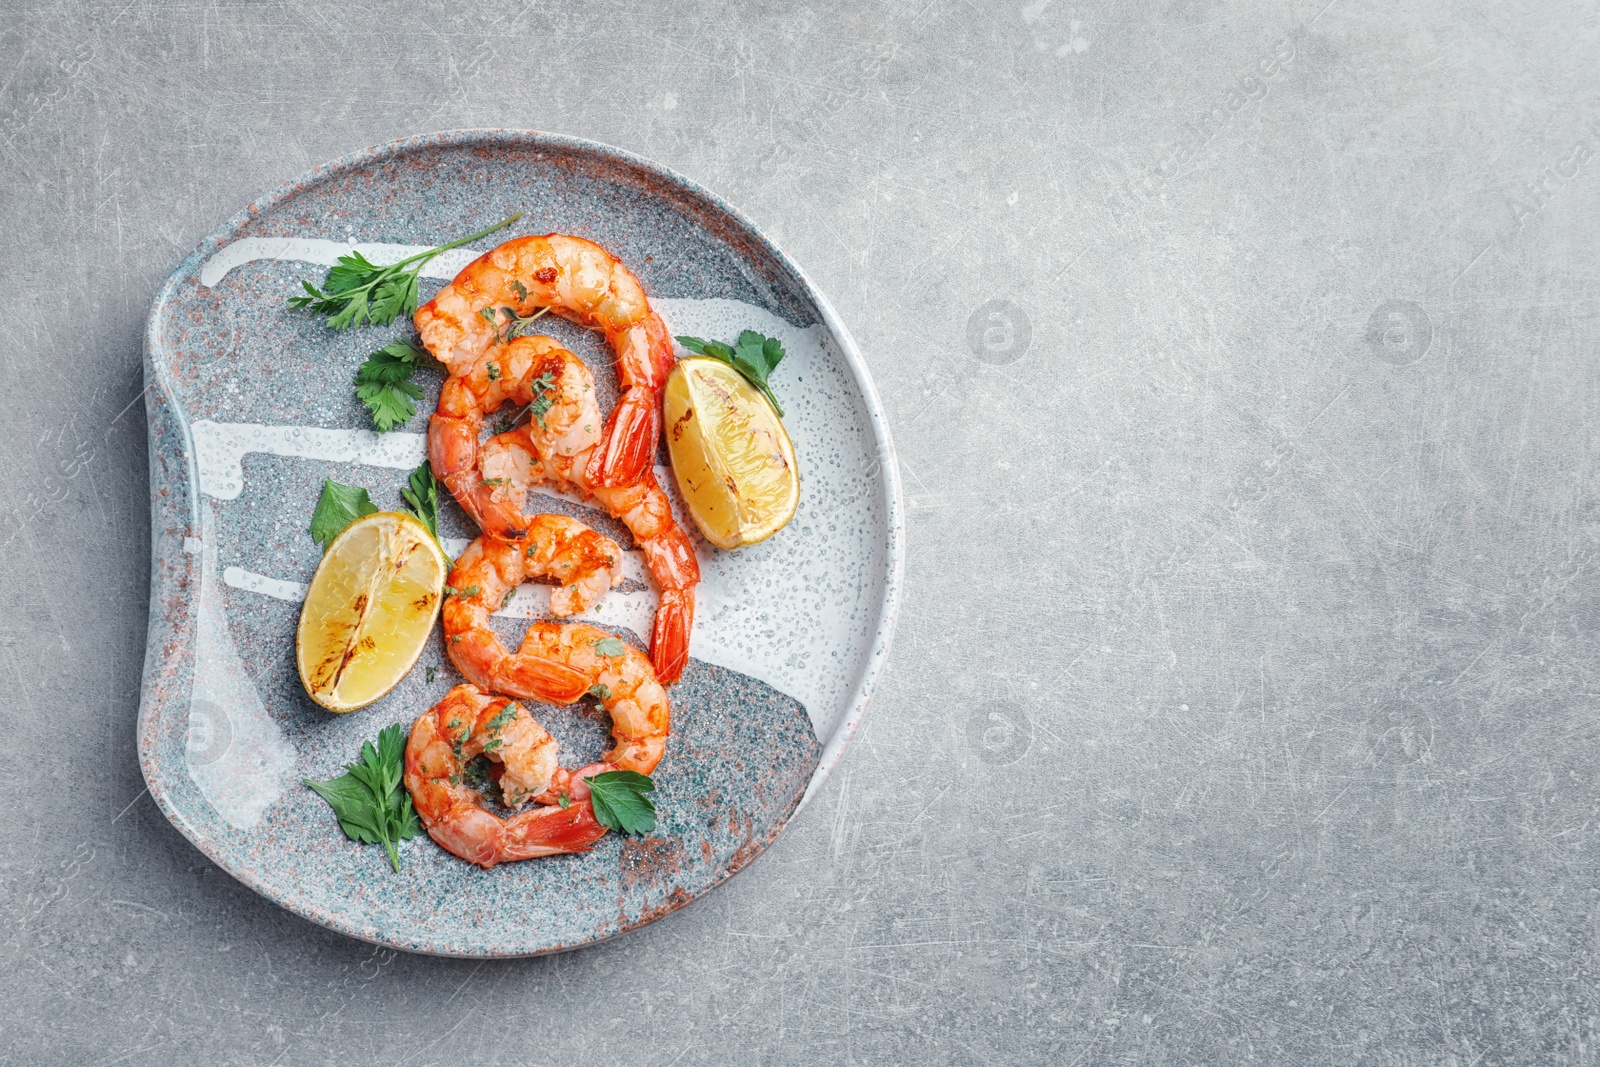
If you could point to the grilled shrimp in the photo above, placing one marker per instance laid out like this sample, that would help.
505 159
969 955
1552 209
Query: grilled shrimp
555 449
578 280
526 371
558 662
483 579
465 724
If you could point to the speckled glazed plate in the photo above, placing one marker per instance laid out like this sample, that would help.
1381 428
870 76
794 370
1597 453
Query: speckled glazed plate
251 407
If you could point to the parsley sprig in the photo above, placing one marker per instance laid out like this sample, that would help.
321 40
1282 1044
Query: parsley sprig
753 355
421 498
620 803
357 290
384 384
368 799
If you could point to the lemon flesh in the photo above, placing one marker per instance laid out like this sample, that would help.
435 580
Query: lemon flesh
732 458
369 610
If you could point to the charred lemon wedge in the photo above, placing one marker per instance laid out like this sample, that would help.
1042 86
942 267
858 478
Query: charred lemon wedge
369 610
731 456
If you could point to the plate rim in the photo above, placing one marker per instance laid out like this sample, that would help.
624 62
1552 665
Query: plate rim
159 629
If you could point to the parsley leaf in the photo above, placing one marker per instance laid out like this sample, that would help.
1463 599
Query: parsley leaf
357 290
609 646
620 803
384 384
421 498
368 799
753 355
600 691
337 507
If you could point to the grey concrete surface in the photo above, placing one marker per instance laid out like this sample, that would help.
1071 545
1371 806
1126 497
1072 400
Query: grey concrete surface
1241 359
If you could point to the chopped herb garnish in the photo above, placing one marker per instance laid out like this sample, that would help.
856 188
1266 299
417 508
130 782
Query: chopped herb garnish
505 715
476 775
754 355
542 387
516 325
471 591
357 291
620 803
600 690
609 646
337 507
368 799
494 372
432 673
564 800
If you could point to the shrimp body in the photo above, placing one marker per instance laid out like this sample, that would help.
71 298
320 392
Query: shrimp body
465 724
586 564
555 449
528 370
580 281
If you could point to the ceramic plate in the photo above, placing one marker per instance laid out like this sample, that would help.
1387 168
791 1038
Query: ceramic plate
251 407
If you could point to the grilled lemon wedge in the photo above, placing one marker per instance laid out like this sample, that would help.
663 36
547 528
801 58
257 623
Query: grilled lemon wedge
369 610
732 458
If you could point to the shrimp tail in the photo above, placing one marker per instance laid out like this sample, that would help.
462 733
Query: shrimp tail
627 448
551 831
536 678
669 641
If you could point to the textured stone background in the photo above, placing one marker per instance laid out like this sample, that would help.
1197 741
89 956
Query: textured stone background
1242 705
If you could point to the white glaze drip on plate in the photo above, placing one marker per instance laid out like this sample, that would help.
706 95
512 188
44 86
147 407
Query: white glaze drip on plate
238 757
